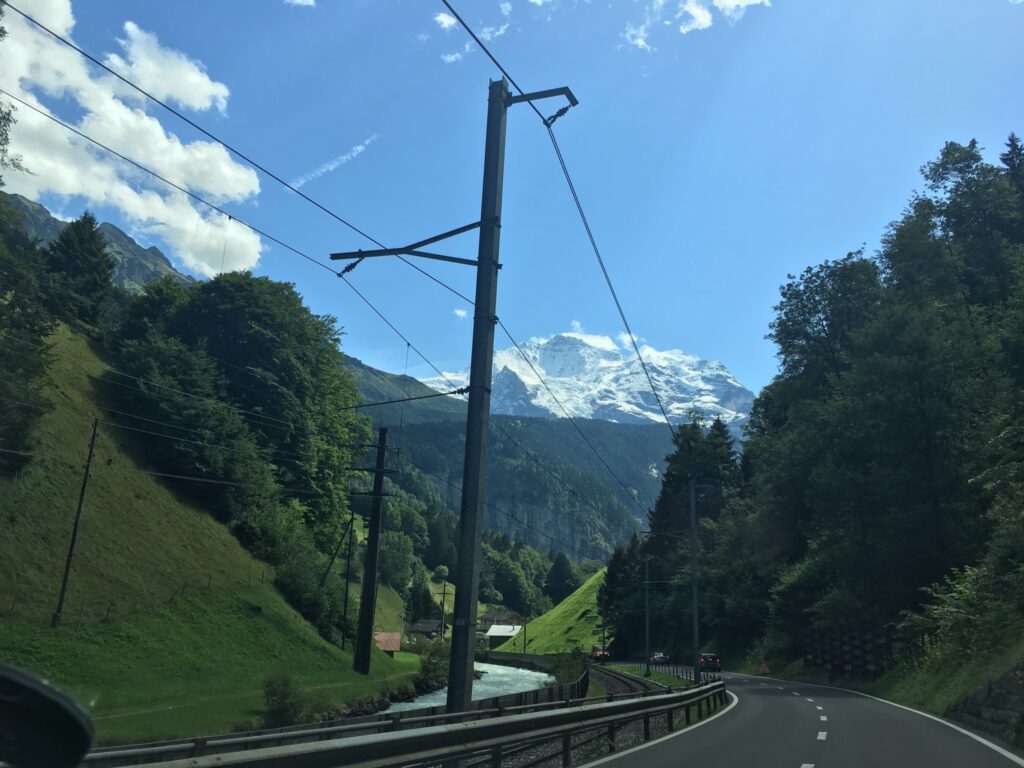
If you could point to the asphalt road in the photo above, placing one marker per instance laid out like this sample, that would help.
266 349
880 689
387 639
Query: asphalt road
778 724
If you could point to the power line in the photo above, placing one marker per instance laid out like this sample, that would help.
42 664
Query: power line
262 233
238 153
191 122
566 412
269 173
579 208
608 279
200 199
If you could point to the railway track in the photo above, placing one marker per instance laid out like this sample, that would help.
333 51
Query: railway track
617 682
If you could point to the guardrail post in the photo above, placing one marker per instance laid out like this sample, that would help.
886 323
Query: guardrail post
496 757
669 721
647 727
611 737
687 708
198 747
566 751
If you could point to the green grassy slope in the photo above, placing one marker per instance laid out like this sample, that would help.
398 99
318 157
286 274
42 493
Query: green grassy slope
170 625
574 622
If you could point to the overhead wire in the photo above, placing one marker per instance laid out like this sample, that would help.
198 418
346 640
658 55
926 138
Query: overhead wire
579 208
232 149
272 175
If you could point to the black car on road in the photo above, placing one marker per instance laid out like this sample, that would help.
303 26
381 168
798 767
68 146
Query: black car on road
709 662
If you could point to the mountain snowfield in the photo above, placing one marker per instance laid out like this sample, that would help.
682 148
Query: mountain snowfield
596 378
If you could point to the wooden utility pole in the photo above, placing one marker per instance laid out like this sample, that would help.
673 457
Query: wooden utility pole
55 619
647 615
368 600
694 576
444 593
348 576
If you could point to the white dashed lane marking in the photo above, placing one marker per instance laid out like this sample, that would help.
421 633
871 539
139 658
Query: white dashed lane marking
822 735
812 701
819 707
824 718
807 765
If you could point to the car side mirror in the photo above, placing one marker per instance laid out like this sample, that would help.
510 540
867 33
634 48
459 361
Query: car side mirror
40 727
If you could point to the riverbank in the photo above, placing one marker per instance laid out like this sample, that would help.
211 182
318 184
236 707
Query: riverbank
495 680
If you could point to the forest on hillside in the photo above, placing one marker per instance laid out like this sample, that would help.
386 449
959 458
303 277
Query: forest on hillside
881 485
237 397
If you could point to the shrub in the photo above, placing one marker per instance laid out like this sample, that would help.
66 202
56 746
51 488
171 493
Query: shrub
284 699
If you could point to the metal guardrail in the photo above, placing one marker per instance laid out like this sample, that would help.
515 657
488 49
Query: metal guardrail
538 699
683 672
490 739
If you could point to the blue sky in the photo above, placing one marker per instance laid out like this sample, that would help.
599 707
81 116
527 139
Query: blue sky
711 163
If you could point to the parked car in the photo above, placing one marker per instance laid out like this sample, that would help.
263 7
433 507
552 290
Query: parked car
598 653
709 662
659 658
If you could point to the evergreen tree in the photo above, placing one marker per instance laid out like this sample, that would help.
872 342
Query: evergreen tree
1013 160
561 580
83 270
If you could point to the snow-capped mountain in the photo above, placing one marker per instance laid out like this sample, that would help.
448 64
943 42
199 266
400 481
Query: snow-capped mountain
594 377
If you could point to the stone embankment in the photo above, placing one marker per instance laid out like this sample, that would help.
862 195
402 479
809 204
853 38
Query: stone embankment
996 708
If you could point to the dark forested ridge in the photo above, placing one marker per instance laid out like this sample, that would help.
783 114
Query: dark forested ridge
880 489
134 266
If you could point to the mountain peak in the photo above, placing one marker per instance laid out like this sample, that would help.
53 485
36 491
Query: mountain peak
597 377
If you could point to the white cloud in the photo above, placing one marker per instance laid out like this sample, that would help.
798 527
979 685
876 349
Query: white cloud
304 3
734 9
695 16
624 340
461 313
167 74
445 20
506 8
691 16
334 163
37 67
540 2
423 37
452 58
490 33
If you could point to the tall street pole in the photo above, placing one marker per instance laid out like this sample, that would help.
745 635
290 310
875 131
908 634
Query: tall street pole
647 615
55 619
474 487
368 599
694 576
